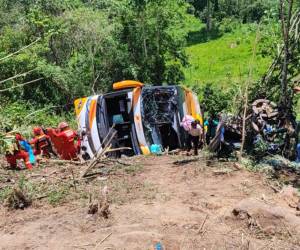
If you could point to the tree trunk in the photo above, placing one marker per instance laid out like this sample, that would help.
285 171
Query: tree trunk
285 26
208 18
216 5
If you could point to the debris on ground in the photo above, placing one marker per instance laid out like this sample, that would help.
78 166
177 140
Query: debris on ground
101 158
269 130
142 207
291 196
104 203
100 205
17 199
273 129
268 218
187 160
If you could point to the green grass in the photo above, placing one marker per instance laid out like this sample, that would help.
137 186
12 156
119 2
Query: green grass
223 60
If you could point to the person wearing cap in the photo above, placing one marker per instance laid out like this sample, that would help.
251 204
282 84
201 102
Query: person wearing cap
65 137
42 143
22 151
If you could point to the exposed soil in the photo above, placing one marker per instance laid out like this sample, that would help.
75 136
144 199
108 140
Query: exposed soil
188 206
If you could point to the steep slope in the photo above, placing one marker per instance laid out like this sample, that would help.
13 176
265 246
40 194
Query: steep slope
223 60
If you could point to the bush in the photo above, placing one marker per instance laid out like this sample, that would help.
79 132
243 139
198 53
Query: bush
215 100
20 114
228 25
253 13
22 117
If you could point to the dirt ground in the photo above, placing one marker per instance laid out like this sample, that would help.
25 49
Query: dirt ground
182 206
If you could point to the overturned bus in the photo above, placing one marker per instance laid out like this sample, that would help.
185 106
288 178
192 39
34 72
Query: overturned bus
141 115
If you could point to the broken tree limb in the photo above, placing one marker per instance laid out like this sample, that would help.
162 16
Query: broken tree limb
103 149
100 153
20 85
118 149
62 162
116 161
246 94
18 51
16 76
223 172
108 134
42 110
73 178
187 161
203 223
98 244
103 159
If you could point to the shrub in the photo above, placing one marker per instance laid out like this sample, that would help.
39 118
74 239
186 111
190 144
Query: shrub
228 25
215 100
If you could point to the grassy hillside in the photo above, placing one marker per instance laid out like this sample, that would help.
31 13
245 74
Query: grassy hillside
223 60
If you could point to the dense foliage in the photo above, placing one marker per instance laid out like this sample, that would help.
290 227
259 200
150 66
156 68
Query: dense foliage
244 10
81 47
54 51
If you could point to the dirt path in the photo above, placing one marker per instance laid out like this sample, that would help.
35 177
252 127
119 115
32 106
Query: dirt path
183 207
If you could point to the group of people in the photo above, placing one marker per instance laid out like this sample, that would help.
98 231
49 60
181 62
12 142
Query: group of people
198 135
59 142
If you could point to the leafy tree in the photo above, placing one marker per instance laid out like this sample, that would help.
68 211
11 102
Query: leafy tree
215 100
76 48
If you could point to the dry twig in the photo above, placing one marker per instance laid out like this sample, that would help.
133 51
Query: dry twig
98 244
203 223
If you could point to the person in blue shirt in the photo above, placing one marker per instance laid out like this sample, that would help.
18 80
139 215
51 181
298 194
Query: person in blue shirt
210 126
22 151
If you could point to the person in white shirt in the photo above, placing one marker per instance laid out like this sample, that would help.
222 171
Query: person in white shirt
194 136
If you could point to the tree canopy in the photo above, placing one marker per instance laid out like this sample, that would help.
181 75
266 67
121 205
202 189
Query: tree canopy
75 48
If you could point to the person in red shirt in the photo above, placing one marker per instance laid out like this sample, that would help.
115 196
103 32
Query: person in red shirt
22 151
42 143
64 141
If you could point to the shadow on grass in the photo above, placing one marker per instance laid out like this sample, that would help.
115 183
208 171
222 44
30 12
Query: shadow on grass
202 36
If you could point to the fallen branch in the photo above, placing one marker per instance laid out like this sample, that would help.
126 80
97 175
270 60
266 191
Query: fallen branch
101 152
223 171
201 228
187 161
20 85
117 149
237 166
41 110
73 179
98 244
40 197
106 137
16 76
62 162
275 189
117 161
103 159
18 51
94 162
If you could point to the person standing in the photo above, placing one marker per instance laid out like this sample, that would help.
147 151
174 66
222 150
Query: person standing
211 126
194 135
